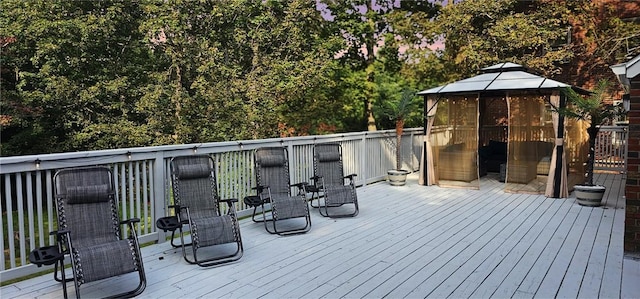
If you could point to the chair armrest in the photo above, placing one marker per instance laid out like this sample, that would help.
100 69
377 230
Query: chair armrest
300 185
132 220
132 225
58 232
351 176
230 202
177 207
314 187
315 178
259 189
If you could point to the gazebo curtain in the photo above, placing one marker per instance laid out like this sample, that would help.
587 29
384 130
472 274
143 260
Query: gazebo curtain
531 143
453 138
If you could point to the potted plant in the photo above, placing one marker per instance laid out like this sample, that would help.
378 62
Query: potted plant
397 110
596 112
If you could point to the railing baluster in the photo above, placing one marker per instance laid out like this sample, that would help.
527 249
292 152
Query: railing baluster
50 204
39 211
123 191
30 216
138 213
131 197
145 198
10 231
7 198
20 186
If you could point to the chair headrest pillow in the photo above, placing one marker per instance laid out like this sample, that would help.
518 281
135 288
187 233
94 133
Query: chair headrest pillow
193 171
328 157
271 160
88 194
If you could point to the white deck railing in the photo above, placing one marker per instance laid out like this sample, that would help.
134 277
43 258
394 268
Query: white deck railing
611 148
142 181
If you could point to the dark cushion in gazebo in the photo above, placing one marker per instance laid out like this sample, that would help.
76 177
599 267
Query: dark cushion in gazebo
492 155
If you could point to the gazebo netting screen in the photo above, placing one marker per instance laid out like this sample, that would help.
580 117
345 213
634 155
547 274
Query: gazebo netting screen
454 141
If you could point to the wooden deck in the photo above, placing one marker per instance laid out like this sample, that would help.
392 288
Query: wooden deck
410 241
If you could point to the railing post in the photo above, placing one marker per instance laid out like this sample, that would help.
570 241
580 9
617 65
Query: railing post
159 193
412 165
294 174
363 158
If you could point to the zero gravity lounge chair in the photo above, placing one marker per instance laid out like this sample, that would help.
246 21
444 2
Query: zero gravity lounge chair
273 186
197 205
329 178
89 231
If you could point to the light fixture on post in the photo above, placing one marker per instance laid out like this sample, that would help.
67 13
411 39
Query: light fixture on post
129 156
37 163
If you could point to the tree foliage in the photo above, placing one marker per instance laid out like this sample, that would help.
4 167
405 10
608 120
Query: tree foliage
369 27
573 41
83 75
70 75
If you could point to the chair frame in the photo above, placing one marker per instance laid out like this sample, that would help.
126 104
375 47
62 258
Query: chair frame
176 222
65 244
264 197
319 183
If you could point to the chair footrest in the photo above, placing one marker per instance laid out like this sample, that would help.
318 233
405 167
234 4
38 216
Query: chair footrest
45 255
252 200
168 223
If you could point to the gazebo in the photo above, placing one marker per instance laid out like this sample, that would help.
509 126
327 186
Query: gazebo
502 122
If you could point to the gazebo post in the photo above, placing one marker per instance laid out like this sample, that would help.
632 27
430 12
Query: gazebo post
557 182
426 168
423 159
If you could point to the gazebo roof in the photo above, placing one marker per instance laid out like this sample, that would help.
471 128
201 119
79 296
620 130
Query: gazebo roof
500 77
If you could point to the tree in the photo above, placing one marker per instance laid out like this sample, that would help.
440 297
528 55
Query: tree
94 75
596 111
398 107
75 68
241 70
484 32
572 41
600 37
365 25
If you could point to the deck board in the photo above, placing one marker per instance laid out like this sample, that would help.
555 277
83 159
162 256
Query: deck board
410 241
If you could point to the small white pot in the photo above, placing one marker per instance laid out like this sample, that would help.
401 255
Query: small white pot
590 196
397 177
